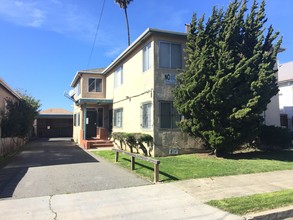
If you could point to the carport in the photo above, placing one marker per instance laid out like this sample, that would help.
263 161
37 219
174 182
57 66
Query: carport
54 122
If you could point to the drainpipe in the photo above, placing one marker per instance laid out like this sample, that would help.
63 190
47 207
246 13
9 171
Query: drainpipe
84 121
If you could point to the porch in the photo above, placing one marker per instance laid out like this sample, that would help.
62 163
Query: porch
101 140
96 123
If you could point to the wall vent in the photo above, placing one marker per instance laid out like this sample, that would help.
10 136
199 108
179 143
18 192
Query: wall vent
173 151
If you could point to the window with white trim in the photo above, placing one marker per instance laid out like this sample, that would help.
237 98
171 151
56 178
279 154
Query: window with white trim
170 55
146 54
118 77
118 113
95 85
146 109
168 115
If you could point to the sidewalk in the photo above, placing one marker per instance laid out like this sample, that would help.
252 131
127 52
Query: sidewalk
159 201
216 188
177 200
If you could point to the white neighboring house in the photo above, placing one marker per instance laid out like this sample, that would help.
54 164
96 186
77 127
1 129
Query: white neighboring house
285 79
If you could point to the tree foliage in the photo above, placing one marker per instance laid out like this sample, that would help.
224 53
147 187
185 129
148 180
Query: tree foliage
18 116
229 77
124 4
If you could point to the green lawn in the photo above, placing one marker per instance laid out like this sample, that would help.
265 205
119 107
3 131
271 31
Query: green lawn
198 166
255 203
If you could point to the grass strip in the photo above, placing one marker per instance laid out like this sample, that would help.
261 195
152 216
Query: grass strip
193 166
255 203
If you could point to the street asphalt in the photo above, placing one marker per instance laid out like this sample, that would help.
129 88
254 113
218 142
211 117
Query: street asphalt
58 180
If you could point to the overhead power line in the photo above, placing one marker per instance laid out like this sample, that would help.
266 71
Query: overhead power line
97 30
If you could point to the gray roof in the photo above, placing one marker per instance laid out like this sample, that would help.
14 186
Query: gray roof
96 70
285 72
90 71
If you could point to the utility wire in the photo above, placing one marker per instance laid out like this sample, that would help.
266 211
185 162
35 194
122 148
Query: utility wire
97 30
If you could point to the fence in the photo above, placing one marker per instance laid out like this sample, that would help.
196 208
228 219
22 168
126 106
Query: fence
9 145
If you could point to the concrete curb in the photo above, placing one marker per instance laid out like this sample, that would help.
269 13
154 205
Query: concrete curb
273 214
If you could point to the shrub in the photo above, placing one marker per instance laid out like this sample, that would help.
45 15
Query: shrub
134 140
272 137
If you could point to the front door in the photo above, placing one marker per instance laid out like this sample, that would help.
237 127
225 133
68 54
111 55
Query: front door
91 124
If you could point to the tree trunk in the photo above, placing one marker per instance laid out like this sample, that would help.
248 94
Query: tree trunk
127 24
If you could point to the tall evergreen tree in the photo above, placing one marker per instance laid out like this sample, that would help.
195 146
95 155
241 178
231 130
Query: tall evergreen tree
229 77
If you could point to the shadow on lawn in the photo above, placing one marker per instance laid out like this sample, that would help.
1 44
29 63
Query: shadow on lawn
167 177
283 155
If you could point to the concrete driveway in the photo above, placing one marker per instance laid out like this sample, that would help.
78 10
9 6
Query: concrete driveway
47 167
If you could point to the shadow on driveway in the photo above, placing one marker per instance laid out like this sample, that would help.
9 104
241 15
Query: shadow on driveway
38 153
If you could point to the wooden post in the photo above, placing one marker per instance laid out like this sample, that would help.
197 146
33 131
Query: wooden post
132 163
156 173
116 156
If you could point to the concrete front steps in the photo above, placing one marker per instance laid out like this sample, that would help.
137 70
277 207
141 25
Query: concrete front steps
97 143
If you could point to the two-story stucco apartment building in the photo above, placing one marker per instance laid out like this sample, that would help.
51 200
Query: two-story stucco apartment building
134 94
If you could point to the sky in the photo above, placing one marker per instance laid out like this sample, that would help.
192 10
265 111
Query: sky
44 43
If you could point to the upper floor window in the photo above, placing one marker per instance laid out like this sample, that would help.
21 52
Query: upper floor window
95 85
146 115
146 57
118 77
168 115
170 55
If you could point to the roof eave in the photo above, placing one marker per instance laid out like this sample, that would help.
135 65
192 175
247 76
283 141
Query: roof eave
76 77
143 36
11 91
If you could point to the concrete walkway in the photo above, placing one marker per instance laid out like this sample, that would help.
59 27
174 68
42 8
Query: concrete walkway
160 201
215 188
177 200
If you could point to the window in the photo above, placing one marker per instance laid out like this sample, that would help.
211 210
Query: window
78 119
170 55
74 120
118 77
146 115
168 115
118 117
100 117
146 57
95 85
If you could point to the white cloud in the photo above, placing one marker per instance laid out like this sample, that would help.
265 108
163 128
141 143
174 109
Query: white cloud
114 52
24 13
53 15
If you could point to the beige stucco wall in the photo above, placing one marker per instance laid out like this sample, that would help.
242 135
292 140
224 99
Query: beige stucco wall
110 86
84 86
169 141
135 82
76 129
